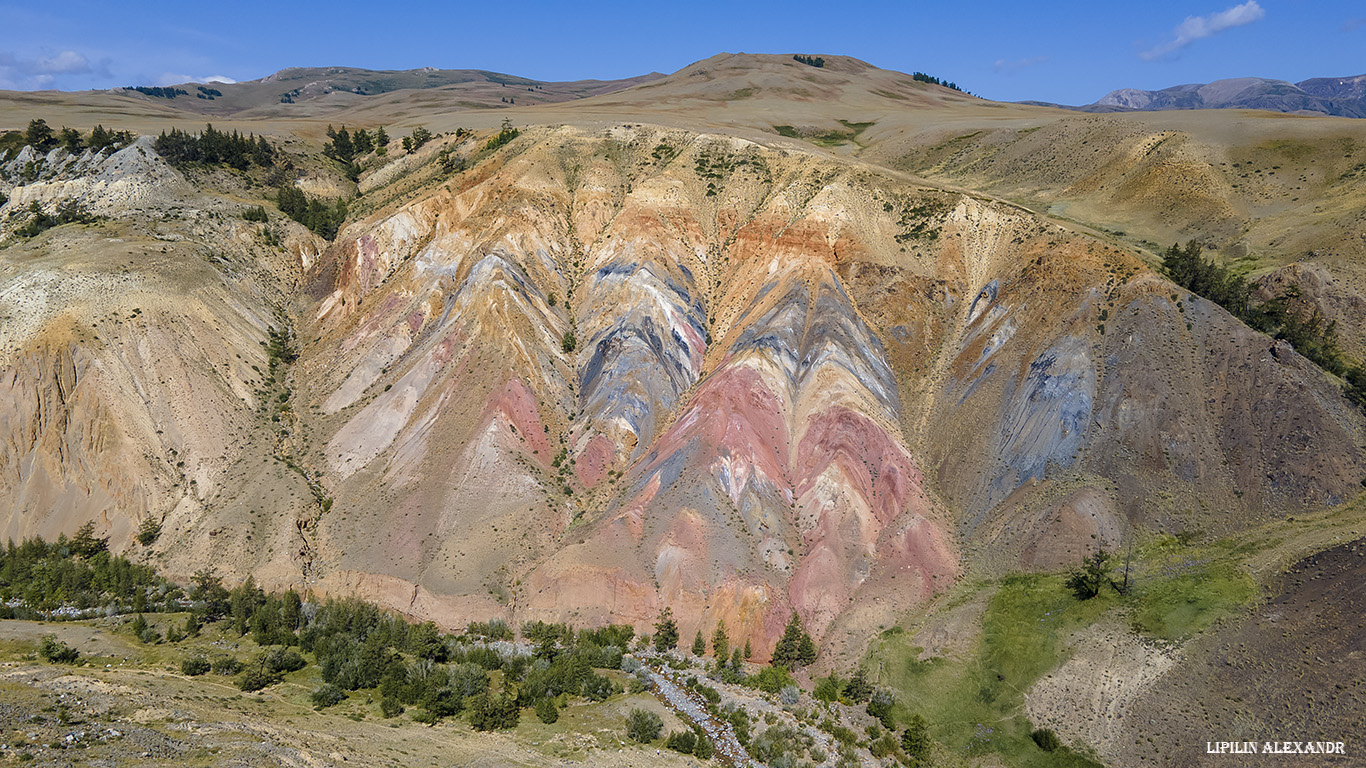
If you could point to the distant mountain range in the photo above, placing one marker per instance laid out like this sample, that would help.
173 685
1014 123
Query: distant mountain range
1339 96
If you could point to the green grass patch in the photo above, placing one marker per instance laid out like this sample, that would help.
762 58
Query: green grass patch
976 706
1185 589
827 139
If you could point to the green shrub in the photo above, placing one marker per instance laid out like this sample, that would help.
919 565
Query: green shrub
828 689
490 711
770 679
596 687
681 741
281 660
57 652
505 136
703 749
148 531
1047 740
547 711
880 707
226 665
195 666
643 726
391 707
328 695
256 679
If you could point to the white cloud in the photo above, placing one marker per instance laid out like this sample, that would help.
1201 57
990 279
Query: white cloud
44 71
219 79
1200 27
64 63
1008 66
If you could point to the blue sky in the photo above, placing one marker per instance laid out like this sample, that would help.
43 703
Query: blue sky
1069 52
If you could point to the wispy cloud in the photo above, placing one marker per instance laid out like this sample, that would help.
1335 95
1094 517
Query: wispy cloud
1200 27
44 71
1352 25
1007 66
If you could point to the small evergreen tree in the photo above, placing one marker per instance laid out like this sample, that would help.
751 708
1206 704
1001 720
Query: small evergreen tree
1087 581
666 631
39 135
795 648
699 646
915 740
858 689
148 531
86 544
720 642
70 139
880 707
546 711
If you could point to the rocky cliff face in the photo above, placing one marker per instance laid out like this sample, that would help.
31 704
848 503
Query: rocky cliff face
794 384
611 368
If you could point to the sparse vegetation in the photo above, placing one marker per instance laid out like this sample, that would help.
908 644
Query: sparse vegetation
1288 316
69 211
414 141
503 137
810 61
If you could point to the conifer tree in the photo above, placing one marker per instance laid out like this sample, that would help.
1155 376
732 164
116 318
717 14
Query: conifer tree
796 648
720 642
666 631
